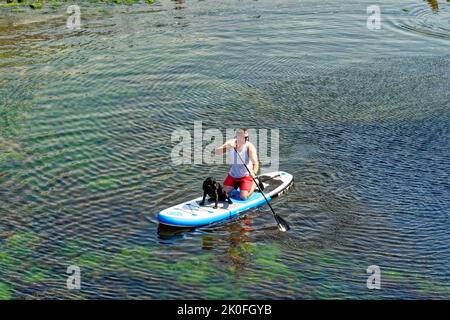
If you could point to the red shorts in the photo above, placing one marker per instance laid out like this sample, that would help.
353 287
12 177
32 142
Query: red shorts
244 183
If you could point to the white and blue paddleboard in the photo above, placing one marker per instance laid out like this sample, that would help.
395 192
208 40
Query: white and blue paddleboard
191 214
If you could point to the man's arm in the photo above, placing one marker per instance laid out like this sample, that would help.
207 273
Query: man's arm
227 145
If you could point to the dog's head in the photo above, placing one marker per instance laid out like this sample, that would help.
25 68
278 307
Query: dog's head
210 185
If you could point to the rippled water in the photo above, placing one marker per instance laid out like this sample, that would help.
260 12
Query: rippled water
86 118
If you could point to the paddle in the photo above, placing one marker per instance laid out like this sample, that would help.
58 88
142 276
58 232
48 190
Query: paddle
282 224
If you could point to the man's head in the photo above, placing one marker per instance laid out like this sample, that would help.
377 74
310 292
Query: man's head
242 135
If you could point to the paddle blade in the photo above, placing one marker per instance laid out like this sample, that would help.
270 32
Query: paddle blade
282 224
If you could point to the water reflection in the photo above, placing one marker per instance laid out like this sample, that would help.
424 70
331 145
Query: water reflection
179 4
434 4
235 242
426 19
238 239
172 233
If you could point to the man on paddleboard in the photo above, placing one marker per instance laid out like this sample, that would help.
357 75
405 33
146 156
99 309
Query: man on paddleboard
238 176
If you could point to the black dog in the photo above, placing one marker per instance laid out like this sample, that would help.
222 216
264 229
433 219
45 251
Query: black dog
214 190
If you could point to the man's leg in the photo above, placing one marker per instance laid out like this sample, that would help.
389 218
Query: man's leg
247 189
228 184
228 189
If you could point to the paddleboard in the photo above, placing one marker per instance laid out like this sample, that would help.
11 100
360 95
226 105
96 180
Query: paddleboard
190 214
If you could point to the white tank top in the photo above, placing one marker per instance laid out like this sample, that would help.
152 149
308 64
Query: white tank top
237 169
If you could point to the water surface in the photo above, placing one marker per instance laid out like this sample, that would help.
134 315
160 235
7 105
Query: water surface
86 118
